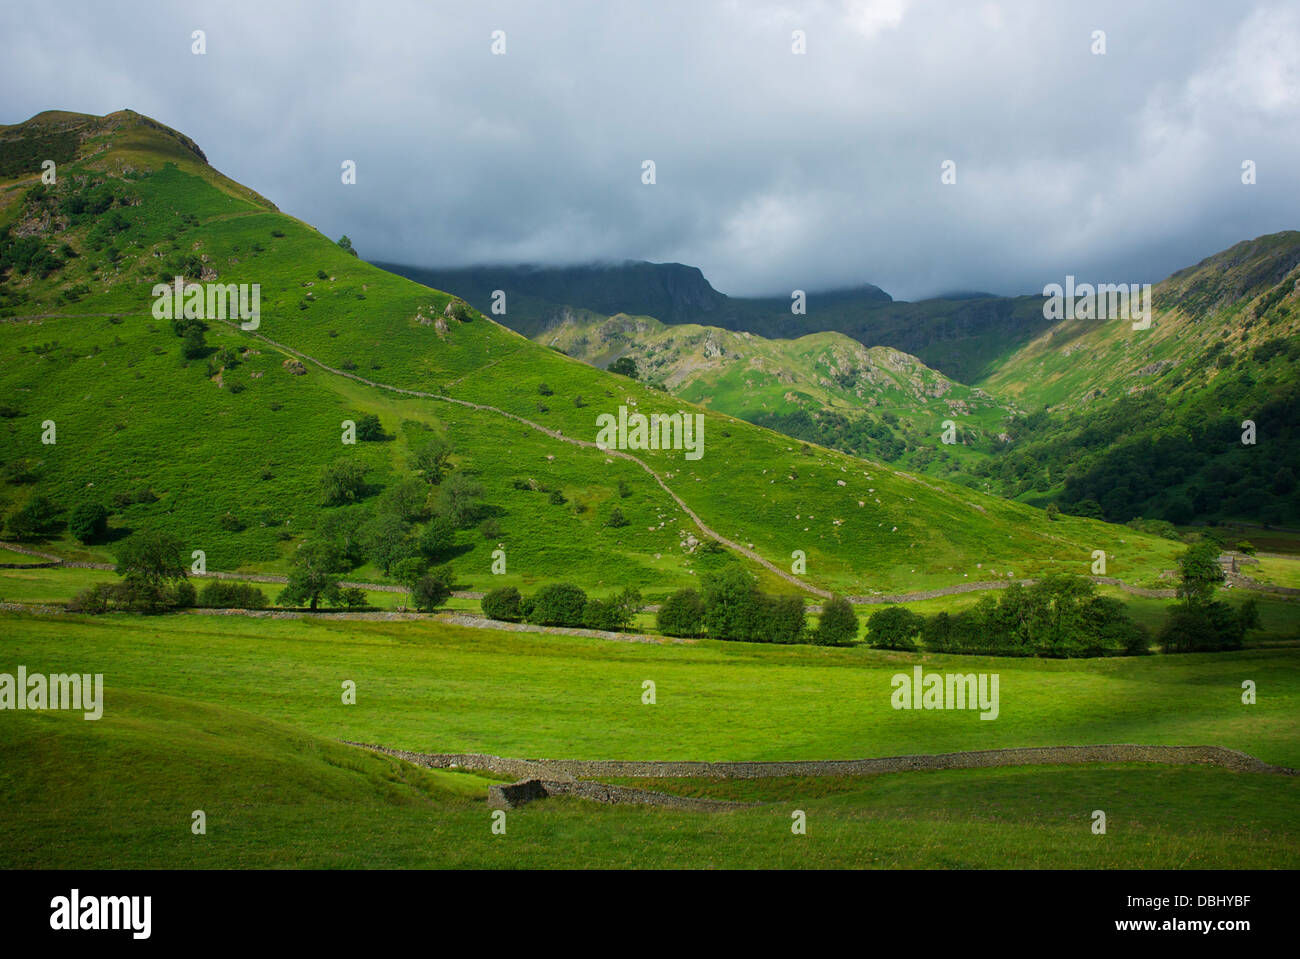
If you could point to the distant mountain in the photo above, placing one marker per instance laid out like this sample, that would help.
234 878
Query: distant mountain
535 295
964 336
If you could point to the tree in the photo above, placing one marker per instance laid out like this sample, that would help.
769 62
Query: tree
558 604
193 346
1199 573
458 498
894 627
39 516
838 625
408 572
430 592
616 518
430 461
386 540
624 366
346 244
408 498
343 528
1088 508
343 481
438 537
681 614
147 563
89 522
783 620
732 604
370 430
502 603
314 576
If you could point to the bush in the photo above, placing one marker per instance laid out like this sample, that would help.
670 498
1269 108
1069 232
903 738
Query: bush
89 522
95 599
353 597
183 595
614 613
503 603
558 604
838 624
681 614
556 498
223 594
616 518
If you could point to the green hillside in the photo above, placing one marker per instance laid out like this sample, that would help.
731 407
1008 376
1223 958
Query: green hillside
225 449
875 402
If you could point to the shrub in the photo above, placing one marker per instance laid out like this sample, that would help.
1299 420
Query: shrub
503 603
556 498
95 599
838 625
614 613
616 518
182 595
558 604
223 594
353 597
681 614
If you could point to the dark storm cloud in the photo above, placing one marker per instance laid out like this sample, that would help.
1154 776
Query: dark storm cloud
774 170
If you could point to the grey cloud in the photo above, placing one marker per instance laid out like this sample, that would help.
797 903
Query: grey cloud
775 171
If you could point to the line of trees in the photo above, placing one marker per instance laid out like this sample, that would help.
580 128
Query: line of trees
730 607
563 604
1059 616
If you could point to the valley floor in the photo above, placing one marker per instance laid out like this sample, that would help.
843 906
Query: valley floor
245 720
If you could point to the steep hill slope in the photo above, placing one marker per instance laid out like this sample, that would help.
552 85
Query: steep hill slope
225 447
1153 422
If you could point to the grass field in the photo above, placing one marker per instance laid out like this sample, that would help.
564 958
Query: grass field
271 783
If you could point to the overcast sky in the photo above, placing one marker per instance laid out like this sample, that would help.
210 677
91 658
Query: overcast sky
774 170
